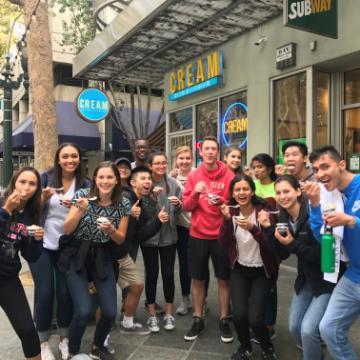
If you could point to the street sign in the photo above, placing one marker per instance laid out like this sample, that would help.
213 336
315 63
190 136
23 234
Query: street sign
317 16
286 56
92 105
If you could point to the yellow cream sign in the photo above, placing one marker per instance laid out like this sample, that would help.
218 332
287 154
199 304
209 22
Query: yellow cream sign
200 74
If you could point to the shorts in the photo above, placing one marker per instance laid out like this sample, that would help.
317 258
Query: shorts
199 252
128 274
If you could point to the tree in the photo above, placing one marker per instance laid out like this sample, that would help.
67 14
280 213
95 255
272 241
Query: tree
80 27
41 81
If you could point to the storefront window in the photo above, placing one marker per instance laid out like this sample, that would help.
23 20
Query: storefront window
289 110
234 122
321 125
206 123
352 87
181 120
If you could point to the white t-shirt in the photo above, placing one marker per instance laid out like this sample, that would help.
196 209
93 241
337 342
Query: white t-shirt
54 223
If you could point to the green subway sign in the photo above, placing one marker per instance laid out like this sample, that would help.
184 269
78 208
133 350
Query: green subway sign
317 16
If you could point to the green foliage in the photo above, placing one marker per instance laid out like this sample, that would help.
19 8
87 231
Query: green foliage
80 28
8 13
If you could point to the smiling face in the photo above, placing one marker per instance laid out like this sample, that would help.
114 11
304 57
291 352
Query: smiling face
242 193
209 152
233 159
69 159
184 161
295 161
286 195
329 172
158 165
26 184
124 171
141 149
141 183
260 171
105 181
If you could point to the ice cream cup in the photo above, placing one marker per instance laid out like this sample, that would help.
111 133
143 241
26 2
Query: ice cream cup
31 230
282 228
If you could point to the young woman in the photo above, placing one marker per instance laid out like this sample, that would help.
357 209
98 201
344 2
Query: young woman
312 292
20 208
232 158
263 167
166 195
59 185
252 263
182 168
98 219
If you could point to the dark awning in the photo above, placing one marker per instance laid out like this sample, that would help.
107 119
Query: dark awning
70 128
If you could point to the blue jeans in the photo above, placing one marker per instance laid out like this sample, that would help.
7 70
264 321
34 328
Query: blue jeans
342 311
44 271
306 312
106 292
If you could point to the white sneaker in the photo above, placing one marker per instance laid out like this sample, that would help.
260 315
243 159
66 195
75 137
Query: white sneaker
46 353
169 322
153 324
184 306
64 348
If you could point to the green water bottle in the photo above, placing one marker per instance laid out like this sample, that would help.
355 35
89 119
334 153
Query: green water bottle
328 251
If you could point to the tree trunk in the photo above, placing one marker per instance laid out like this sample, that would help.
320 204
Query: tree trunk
41 84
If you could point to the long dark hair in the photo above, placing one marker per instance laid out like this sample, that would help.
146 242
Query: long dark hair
268 162
116 194
255 200
150 161
33 205
57 170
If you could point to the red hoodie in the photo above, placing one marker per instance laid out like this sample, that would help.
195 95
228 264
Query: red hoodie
206 219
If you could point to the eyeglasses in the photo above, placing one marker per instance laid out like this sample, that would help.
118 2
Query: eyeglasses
164 163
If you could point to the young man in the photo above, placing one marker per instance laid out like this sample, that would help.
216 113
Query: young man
206 189
140 228
141 153
344 306
295 160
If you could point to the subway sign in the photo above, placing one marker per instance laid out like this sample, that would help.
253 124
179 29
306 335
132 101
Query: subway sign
201 74
92 105
317 16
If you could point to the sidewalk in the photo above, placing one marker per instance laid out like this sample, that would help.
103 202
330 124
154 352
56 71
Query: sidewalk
171 345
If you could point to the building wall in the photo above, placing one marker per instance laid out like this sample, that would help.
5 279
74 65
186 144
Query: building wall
250 66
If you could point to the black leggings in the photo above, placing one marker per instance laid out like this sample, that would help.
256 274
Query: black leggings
249 288
151 262
16 307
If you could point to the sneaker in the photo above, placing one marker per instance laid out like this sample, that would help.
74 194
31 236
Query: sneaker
64 348
46 353
225 331
241 353
101 353
136 329
169 322
269 354
184 306
153 324
254 339
196 329
107 347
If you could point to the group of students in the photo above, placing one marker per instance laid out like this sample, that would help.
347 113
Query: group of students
89 231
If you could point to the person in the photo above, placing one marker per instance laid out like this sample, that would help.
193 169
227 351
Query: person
205 190
312 291
232 158
295 156
182 167
263 167
98 219
20 208
166 196
252 264
59 185
141 153
344 305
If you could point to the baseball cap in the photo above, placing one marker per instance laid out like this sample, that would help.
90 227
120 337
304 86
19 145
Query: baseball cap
123 160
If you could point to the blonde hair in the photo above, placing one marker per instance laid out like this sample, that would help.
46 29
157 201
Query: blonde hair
179 150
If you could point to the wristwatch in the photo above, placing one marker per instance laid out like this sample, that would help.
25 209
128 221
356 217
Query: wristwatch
351 224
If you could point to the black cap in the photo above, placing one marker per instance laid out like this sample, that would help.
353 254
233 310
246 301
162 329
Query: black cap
123 160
